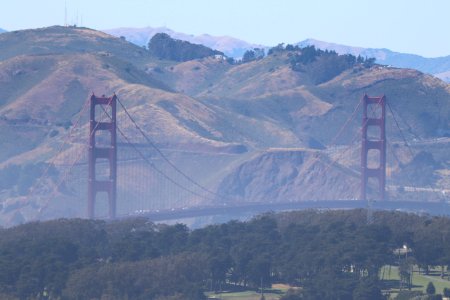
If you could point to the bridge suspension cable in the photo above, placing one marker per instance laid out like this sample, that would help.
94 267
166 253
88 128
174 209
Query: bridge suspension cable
411 152
349 119
78 157
59 151
399 129
211 195
164 157
349 147
408 177
153 166
335 138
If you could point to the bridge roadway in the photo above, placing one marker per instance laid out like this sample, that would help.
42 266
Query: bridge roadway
433 208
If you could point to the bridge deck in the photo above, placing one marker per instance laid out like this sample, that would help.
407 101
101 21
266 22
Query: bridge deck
434 208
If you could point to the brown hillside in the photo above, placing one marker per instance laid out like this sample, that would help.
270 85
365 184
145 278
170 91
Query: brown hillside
64 40
214 120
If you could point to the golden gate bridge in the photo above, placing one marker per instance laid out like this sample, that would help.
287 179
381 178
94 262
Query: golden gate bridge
113 168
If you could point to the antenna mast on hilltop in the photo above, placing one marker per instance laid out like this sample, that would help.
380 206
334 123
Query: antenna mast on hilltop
65 13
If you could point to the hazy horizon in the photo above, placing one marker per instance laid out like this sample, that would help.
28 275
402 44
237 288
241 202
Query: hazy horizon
402 26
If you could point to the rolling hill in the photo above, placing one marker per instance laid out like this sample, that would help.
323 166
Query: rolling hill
141 36
438 66
255 131
232 47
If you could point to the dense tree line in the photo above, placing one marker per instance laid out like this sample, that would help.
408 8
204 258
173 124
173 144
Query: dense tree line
164 47
320 65
330 254
253 54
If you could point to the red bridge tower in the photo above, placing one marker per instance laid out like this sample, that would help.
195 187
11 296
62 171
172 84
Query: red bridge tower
376 119
109 153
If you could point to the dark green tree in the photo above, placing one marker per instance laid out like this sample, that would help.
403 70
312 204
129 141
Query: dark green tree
163 46
248 56
405 271
368 288
431 290
292 294
289 47
369 62
308 54
277 49
447 292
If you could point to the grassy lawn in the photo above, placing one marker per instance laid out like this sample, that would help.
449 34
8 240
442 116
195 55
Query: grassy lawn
389 275
248 295
419 281
274 293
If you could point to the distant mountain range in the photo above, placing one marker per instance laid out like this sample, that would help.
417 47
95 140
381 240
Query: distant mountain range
2 30
230 46
439 66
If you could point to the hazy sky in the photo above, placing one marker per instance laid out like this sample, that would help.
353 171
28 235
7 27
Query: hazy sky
412 26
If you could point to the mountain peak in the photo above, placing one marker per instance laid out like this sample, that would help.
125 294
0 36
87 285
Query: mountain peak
340 49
